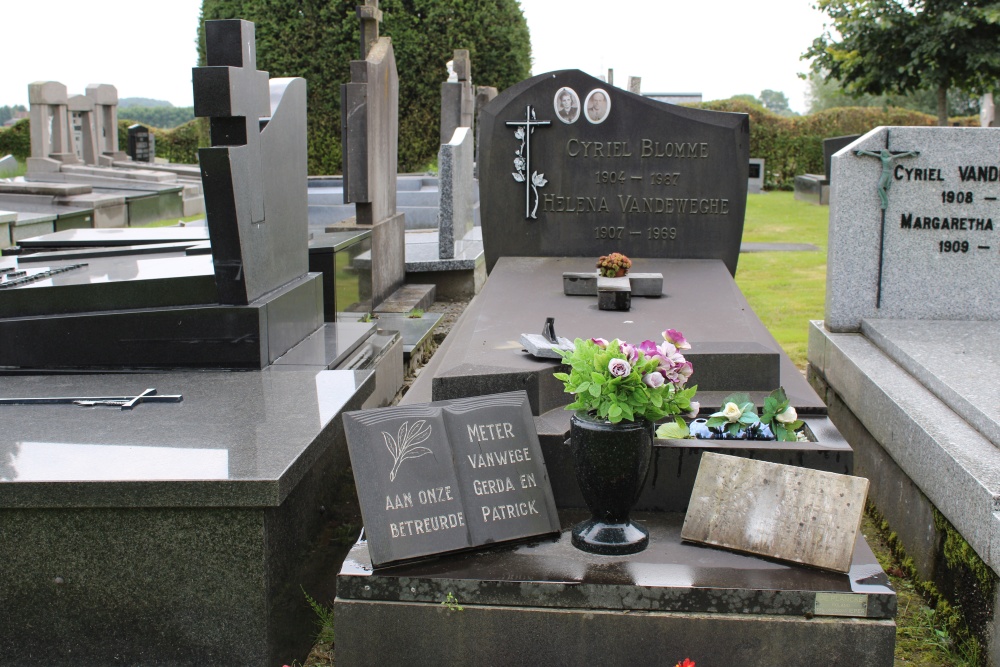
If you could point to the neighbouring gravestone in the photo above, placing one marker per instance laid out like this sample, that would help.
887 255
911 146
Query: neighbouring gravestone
635 85
780 511
458 97
755 177
105 98
81 111
912 234
449 475
51 134
455 217
140 143
8 165
572 166
370 136
830 146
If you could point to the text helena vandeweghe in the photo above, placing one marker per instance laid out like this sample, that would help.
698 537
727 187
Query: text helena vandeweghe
961 224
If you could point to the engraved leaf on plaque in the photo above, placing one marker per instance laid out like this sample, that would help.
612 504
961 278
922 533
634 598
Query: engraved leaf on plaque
404 445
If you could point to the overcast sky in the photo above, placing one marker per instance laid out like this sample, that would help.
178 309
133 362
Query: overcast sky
718 48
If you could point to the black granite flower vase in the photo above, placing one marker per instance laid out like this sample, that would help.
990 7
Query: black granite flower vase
611 465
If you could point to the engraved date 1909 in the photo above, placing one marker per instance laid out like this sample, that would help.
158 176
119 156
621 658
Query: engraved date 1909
651 233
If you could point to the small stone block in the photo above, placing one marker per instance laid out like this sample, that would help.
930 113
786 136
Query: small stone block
778 511
613 284
607 300
538 346
579 284
646 284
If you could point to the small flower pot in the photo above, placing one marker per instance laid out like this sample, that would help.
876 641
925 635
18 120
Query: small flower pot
611 465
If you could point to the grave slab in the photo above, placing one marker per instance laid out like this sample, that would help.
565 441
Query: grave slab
195 518
486 356
784 512
673 599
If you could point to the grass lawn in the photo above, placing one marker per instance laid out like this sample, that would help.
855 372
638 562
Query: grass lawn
785 289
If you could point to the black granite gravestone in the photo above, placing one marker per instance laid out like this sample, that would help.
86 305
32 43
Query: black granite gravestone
243 309
449 475
571 166
139 147
833 144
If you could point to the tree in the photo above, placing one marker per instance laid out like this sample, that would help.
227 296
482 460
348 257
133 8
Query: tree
7 112
828 93
904 46
776 102
317 39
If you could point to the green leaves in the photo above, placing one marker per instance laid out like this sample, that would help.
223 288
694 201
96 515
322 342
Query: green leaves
675 430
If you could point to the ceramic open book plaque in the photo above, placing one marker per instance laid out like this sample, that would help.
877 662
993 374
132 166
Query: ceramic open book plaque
449 475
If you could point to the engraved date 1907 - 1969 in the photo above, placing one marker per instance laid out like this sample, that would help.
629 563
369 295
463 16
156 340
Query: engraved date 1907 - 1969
651 233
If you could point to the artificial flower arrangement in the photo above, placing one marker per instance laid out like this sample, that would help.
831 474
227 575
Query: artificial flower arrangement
610 265
739 415
620 381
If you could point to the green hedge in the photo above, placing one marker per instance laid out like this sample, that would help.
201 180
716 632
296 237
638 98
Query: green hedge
16 140
794 145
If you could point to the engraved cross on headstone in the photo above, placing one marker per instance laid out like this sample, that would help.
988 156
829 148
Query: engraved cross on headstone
522 159
234 94
370 16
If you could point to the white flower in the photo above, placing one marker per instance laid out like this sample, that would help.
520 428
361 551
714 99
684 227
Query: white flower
695 407
732 412
619 368
653 380
788 416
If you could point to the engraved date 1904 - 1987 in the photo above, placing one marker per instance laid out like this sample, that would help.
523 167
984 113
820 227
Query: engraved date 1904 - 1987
651 233
619 178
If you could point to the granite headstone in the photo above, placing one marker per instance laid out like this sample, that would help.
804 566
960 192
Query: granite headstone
139 148
755 177
571 166
455 217
449 475
912 234
833 144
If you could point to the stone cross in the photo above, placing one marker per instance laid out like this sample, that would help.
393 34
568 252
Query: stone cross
370 16
234 94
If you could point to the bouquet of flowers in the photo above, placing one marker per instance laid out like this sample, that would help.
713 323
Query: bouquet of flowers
739 414
619 381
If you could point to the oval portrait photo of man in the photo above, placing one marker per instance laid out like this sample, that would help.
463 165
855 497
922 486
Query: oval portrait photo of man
567 105
598 106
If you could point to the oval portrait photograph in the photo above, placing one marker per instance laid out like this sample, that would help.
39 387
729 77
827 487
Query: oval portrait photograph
598 105
567 105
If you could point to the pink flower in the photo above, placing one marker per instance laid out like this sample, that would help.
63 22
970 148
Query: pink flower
648 348
676 338
630 352
653 380
619 368
599 342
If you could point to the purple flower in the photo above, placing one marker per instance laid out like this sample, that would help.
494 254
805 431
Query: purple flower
676 338
630 352
653 380
599 342
619 368
648 348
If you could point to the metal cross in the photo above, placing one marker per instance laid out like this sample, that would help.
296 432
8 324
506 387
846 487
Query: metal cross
125 402
885 180
370 16
235 95
522 159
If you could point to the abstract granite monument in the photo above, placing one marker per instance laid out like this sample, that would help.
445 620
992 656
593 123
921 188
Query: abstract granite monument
181 532
906 357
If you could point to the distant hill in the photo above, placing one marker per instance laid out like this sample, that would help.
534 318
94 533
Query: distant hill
142 102
162 117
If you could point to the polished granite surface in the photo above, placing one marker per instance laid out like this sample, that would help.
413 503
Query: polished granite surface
124 236
670 575
238 438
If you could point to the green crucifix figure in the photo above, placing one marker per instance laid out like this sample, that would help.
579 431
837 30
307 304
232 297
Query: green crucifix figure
885 180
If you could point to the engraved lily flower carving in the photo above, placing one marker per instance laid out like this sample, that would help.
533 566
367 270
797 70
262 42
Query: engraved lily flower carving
404 445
